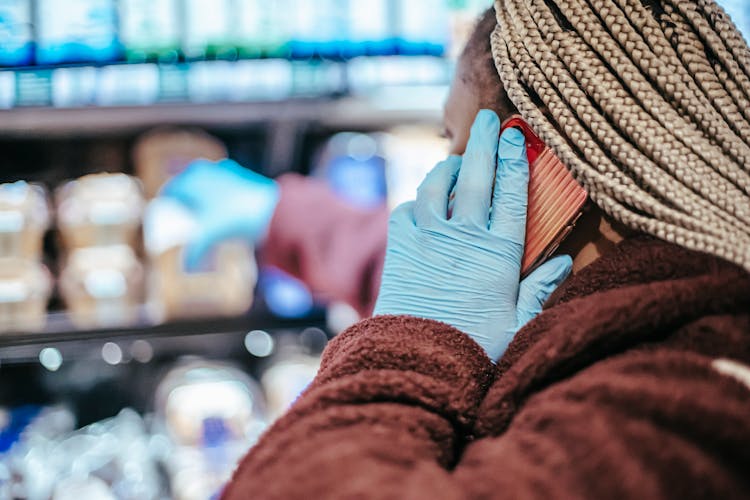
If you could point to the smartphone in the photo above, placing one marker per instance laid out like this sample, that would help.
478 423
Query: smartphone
555 202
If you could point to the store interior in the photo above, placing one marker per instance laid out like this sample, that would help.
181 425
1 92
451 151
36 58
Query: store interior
122 374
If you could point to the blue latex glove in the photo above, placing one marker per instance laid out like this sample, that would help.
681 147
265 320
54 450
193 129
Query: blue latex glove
228 201
465 270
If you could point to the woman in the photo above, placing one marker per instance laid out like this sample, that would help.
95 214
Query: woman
634 381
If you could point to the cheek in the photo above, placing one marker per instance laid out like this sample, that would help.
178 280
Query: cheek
458 143
462 128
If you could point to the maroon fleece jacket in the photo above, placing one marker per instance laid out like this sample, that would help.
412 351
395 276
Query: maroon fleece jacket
633 383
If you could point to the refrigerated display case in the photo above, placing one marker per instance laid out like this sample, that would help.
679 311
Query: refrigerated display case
324 95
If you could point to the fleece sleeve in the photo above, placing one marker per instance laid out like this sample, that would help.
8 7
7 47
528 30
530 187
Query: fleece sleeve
390 408
336 249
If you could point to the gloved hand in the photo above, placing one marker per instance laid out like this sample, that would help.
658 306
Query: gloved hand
228 201
465 270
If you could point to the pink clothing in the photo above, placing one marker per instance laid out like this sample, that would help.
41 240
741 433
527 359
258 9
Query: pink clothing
336 249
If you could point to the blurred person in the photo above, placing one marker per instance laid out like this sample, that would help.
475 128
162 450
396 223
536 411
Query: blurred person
336 249
299 224
634 380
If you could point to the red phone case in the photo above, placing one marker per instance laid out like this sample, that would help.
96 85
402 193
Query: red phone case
555 203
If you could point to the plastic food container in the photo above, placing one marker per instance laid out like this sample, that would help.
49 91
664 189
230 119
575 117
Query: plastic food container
163 153
102 286
25 287
194 394
100 209
211 414
222 287
24 218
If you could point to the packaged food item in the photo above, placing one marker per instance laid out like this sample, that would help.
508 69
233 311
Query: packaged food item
25 287
80 31
74 488
165 152
100 209
149 28
28 436
262 27
318 28
207 28
292 369
24 218
370 27
211 414
16 27
102 286
46 459
196 392
223 286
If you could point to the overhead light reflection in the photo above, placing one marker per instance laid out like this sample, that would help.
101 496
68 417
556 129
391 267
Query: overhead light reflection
51 358
259 343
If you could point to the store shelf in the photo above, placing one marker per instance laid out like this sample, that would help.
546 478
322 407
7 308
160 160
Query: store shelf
383 107
181 337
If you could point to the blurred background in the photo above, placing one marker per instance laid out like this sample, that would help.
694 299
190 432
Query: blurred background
122 375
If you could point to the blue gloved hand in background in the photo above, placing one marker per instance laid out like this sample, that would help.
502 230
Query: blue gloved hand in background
228 201
465 271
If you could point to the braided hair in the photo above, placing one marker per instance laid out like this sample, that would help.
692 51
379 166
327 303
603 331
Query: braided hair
647 102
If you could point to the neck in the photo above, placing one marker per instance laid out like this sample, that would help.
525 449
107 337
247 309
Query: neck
593 236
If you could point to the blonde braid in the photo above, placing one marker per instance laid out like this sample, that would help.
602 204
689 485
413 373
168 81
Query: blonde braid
657 132
603 161
714 81
662 62
654 178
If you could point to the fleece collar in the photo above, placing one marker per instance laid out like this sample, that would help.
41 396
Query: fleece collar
641 292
